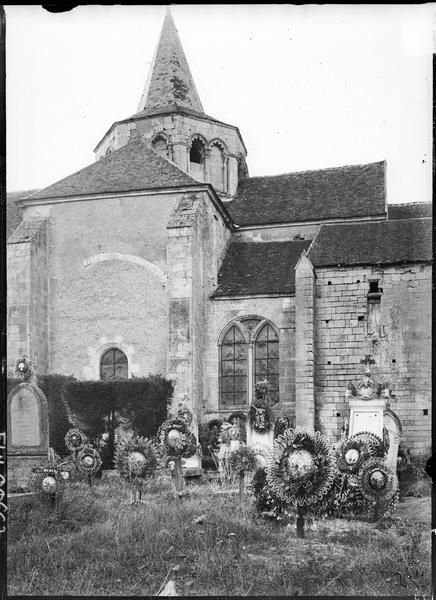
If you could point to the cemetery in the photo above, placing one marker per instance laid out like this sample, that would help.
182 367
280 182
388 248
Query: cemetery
288 513
219 384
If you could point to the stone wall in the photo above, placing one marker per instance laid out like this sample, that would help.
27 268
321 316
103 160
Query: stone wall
197 240
179 130
108 282
219 313
402 352
27 297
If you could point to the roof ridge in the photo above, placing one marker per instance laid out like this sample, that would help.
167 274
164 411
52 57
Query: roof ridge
378 162
415 203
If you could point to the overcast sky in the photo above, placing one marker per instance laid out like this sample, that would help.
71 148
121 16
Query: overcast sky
308 86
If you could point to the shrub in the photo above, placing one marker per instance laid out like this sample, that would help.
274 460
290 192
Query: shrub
98 407
414 479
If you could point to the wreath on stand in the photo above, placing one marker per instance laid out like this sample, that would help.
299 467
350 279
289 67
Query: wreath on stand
88 461
301 472
136 458
48 483
176 439
302 468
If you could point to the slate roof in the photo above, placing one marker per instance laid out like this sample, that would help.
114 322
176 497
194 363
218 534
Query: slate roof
131 168
14 214
27 230
413 210
386 242
340 192
170 78
251 268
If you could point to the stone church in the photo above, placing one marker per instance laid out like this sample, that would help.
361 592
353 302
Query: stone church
165 256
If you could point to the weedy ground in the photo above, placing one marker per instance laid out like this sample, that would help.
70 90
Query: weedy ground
96 543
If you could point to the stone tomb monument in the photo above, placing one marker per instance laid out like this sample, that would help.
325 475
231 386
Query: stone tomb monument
27 422
370 411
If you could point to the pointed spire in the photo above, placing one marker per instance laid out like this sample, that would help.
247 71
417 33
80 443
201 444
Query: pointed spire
169 80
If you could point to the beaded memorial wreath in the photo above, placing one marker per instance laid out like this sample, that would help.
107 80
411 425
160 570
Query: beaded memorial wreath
24 368
185 414
242 459
75 440
261 416
376 480
48 481
281 424
176 439
302 468
136 458
88 460
374 444
351 454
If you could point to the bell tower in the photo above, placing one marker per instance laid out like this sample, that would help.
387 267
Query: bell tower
172 120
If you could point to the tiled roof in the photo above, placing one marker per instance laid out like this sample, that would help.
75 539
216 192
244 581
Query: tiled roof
386 242
133 167
351 191
411 210
14 214
170 79
251 268
27 230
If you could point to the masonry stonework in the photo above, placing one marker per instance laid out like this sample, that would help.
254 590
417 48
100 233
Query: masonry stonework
402 352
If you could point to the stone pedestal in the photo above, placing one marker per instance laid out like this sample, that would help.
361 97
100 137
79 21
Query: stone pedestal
260 441
367 415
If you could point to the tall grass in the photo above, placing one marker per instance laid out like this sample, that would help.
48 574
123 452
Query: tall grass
97 543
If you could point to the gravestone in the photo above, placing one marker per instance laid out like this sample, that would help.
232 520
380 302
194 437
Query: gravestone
27 421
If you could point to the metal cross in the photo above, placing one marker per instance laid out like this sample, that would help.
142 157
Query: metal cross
367 361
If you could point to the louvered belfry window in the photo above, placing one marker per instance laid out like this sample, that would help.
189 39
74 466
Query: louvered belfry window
113 365
234 369
266 360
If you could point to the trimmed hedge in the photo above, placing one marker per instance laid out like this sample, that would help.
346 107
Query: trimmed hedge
98 407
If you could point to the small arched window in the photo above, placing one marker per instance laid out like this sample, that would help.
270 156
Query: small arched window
113 365
234 389
160 146
266 360
196 159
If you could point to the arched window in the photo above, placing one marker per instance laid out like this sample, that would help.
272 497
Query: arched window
196 159
249 353
160 146
113 365
234 389
266 360
216 168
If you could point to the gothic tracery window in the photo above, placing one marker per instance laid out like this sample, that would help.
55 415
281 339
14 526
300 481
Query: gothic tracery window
113 365
266 360
249 353
233 368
